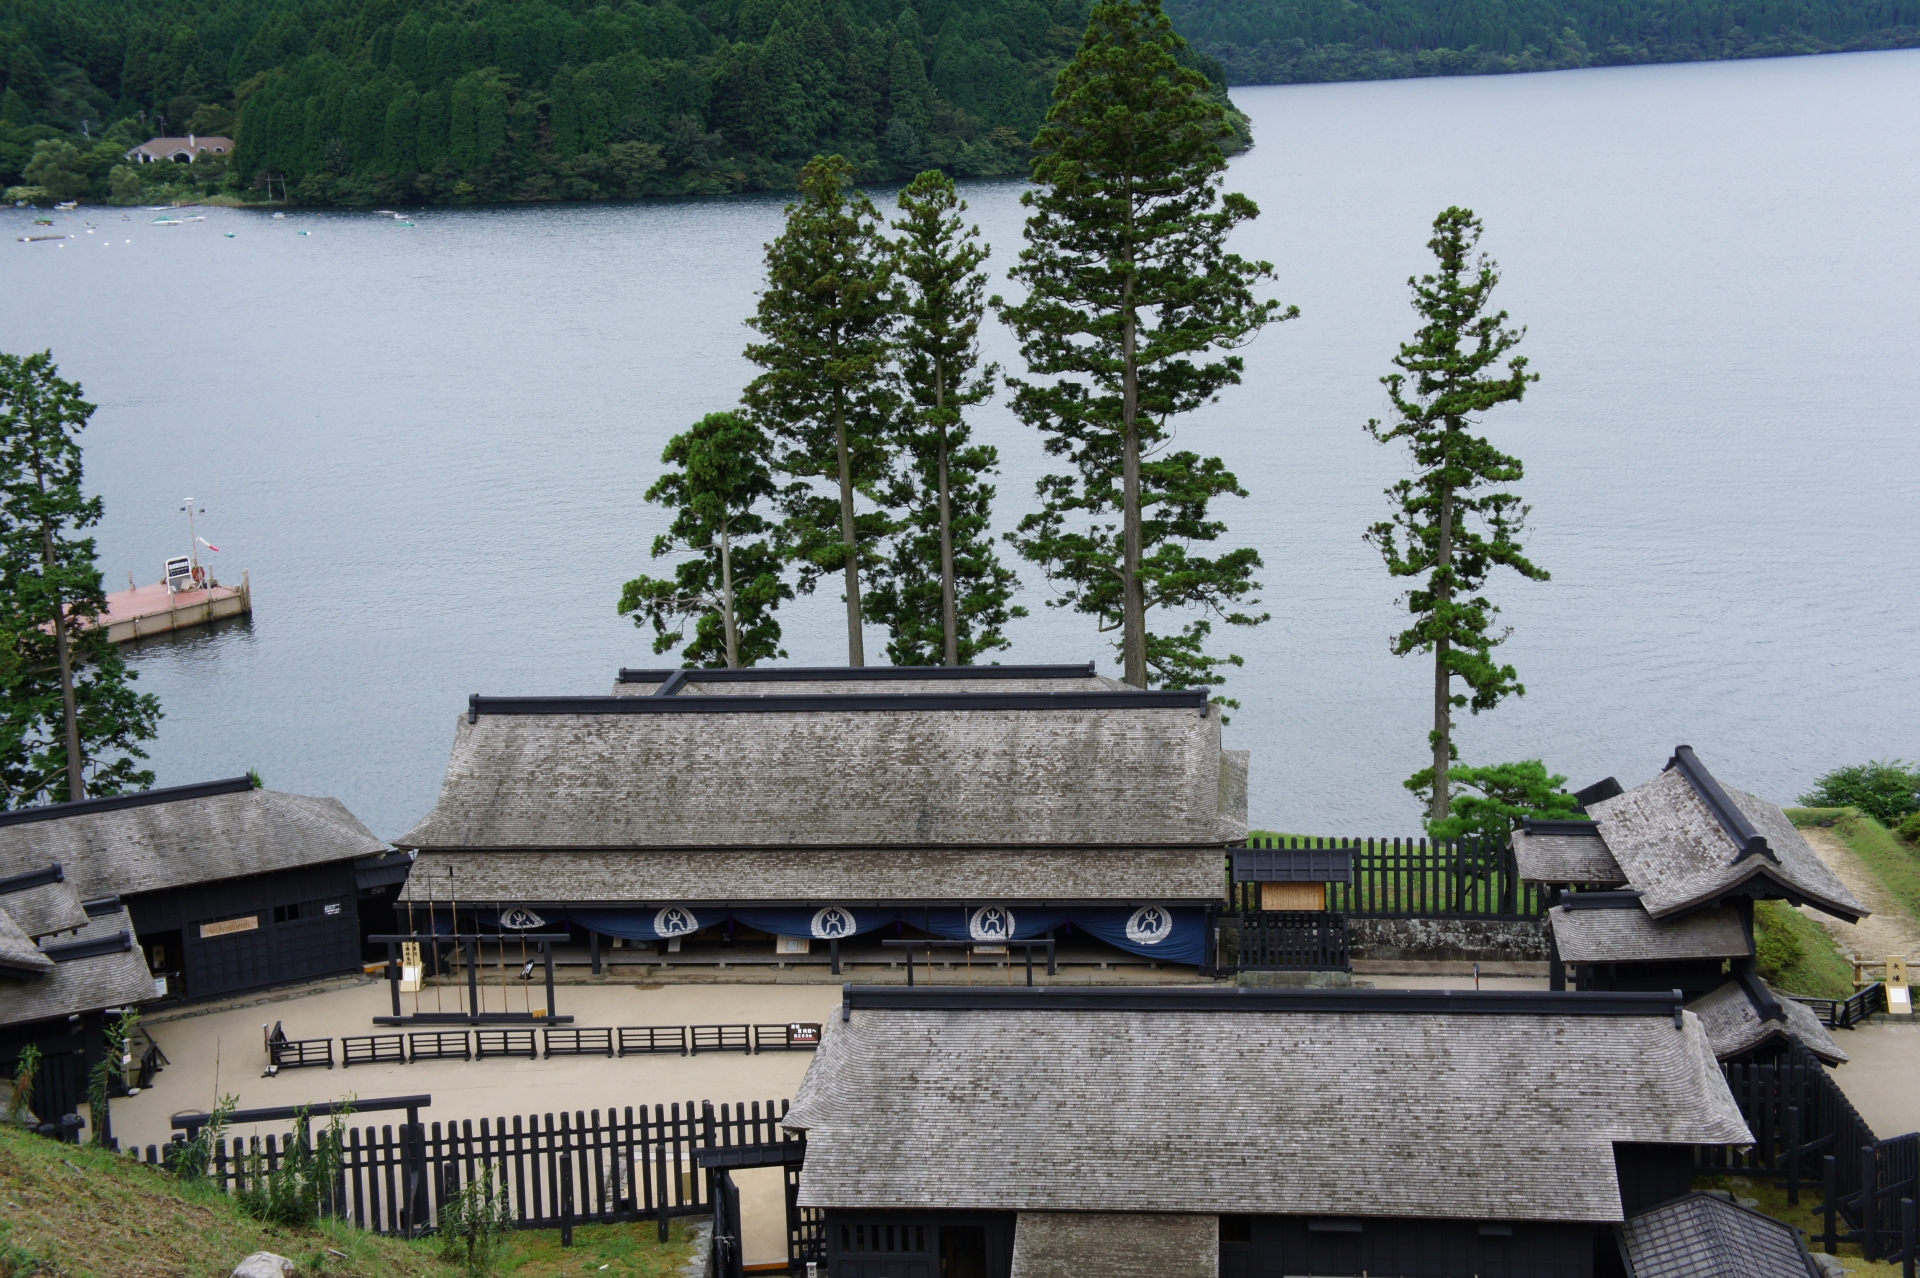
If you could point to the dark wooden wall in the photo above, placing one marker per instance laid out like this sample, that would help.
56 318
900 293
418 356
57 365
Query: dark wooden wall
1284 1246
919 1244
297 938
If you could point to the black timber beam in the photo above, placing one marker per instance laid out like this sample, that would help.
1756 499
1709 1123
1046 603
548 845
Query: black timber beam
847 674
72 950
1540 825
1665 1003
814 703
117 802
1624 899
32 879
1749 840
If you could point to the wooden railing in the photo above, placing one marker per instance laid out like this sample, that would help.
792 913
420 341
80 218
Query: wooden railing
1413 878
1294 941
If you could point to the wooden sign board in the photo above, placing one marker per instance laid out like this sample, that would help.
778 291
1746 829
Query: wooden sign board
227 927
803 1034
1293 896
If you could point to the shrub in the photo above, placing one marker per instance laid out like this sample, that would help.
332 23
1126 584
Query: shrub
1506 793
474 1221
1909 829
1886 791
299 1190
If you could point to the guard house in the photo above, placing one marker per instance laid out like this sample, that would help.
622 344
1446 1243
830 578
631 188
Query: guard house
1657 892
64 961
1182 1132
988 803
229 887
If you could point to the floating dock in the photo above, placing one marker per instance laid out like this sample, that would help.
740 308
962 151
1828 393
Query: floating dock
156 610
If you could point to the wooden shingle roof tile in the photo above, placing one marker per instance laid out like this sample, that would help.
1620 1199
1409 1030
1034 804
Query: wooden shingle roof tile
1629 936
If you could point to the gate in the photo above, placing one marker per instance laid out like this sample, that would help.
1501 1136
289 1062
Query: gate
1294 941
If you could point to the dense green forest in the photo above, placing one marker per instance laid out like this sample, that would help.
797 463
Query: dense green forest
388 101
1303 41
357 101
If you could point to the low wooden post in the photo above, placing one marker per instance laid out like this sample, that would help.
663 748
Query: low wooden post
833 949
1830 1184
1909 1229
393 975
467 950
593 949
1869 1191
546 949
566 1197
1793 1155
663 1201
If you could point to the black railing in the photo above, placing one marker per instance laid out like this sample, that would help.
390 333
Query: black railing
1808 1134
1294 941
1845 1013
1412 878
556 1170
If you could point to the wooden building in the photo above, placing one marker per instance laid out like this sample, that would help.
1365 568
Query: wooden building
1657 890
1188 1132
64 961
987 803
229 887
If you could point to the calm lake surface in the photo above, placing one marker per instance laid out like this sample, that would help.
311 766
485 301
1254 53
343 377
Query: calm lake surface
429 444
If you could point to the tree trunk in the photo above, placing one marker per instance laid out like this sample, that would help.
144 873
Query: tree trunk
76 765
726 596
1442 678
1133 641
856 650
949 613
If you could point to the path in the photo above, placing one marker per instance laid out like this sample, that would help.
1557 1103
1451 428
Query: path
1888 930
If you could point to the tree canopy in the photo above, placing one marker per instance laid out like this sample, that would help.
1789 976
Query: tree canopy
357 101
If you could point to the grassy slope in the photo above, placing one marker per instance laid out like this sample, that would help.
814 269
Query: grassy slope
70 1212
1896 864
1798 955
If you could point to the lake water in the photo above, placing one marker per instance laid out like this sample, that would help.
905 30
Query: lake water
429 444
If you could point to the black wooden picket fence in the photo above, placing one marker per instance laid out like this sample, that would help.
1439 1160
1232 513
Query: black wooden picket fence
1808 1134
585 1167
1294 941
1413 878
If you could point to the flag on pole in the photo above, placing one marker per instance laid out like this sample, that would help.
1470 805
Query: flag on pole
209 545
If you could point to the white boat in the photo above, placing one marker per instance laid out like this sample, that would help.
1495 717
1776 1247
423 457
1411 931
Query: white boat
166 221
68 207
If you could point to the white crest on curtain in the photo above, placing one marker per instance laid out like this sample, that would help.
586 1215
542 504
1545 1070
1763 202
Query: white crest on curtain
991 923
675 920
521 919
832 923
1149 925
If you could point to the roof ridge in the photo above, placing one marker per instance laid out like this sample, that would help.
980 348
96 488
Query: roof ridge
116 802
812 702
848 674
1208 999
1749 841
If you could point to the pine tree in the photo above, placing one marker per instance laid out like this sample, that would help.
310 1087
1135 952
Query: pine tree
942 593
69 704
1441 385
1130 289
730 590
827 316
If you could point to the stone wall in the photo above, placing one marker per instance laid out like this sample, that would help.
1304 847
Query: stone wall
1439 939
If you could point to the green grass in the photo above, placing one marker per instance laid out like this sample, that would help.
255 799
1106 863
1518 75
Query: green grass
68 1211
1797 955
1894 863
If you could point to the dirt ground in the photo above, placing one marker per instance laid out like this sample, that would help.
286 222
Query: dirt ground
1888 930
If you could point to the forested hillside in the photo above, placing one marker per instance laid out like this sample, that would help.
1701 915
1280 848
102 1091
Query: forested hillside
356 101
1299 41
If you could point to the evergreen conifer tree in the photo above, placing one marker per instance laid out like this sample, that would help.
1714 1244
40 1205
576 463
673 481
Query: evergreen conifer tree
942 592
1442 384
72 721
827 317
1132 300
730 590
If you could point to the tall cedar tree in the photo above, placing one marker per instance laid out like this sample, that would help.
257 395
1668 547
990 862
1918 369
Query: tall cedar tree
1130 287
68 699
942 592
1441 386
731 589
828 316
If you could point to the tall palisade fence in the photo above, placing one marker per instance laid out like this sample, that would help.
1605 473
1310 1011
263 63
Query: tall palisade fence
1412 879
586 1167
1808 1135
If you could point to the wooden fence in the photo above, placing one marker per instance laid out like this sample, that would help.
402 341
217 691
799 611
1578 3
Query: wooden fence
1808 1134
556 1171
1294 941
1413 878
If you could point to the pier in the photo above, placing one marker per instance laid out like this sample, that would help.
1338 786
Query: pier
156 609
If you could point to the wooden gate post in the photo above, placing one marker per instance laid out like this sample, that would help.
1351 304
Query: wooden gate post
1869 1191
566 1198
1830 1182
1793 1155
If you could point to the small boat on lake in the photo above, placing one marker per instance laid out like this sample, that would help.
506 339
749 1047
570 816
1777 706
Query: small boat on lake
187 594
68 207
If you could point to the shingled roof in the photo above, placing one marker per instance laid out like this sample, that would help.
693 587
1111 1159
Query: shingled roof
850 876
99 966
1629 936
1735 1026
1686 841
41 901
949 769
849 680
1565 852
164 838
1705 1236
1229 1101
